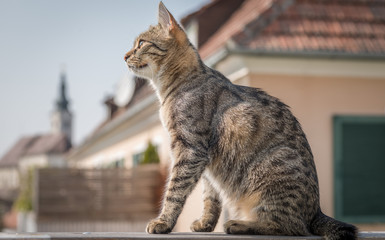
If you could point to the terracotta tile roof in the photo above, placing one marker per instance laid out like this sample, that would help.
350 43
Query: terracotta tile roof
33 145
248 11
48 144
18 150
330 26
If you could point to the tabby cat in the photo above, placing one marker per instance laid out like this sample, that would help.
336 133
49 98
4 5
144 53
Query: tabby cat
246 145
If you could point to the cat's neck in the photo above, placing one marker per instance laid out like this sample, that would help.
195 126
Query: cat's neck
176 73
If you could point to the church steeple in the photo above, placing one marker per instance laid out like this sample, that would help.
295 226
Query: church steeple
62 102
61 118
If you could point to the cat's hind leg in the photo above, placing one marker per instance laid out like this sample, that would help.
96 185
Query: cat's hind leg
268 218
211 209
248 227
264 228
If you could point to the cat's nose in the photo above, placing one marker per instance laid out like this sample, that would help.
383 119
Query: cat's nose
127 56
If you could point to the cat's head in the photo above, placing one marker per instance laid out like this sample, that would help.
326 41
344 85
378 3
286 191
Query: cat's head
158 47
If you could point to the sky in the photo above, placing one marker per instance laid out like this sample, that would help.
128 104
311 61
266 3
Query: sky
88 38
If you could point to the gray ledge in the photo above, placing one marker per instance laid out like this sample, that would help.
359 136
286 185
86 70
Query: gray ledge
174 236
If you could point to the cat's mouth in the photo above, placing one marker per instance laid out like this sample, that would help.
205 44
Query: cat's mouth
142 66
134 67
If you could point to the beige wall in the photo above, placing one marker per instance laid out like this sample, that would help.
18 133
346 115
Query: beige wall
9 178
41 160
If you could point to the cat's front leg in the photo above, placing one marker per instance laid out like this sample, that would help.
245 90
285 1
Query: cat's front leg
190 164
211 209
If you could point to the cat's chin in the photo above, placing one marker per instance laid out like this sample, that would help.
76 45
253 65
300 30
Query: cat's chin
143 71
143 74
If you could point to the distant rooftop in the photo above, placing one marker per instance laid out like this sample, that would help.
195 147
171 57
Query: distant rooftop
35 145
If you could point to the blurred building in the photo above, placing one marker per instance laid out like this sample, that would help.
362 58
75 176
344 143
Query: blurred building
325 59
131 122
40 150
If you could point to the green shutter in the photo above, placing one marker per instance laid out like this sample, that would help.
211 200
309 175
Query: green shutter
359 161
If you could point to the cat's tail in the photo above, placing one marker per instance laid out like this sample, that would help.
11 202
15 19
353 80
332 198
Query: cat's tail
332 229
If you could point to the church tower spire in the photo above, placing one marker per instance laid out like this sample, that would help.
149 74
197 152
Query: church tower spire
61 118
62 102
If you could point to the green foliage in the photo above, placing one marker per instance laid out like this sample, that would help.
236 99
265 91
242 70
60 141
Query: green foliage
24 200
150 155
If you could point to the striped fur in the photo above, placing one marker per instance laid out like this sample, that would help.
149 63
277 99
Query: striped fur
246 145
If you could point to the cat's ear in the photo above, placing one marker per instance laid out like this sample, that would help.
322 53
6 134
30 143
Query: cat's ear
165 19
168 22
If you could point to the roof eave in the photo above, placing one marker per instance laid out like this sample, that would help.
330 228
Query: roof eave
225 51
310 54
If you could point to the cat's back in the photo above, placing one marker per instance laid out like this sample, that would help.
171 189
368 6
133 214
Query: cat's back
246 120
220 89
242 102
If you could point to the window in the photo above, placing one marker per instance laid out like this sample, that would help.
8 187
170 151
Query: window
116 164
137 158
359 168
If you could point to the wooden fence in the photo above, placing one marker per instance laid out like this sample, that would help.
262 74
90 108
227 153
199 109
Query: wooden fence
97 199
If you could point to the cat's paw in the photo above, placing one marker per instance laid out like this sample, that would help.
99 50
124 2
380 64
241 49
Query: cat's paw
199 226
158 226
237 227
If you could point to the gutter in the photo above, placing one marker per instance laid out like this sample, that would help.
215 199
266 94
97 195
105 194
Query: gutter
310 54
225 51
